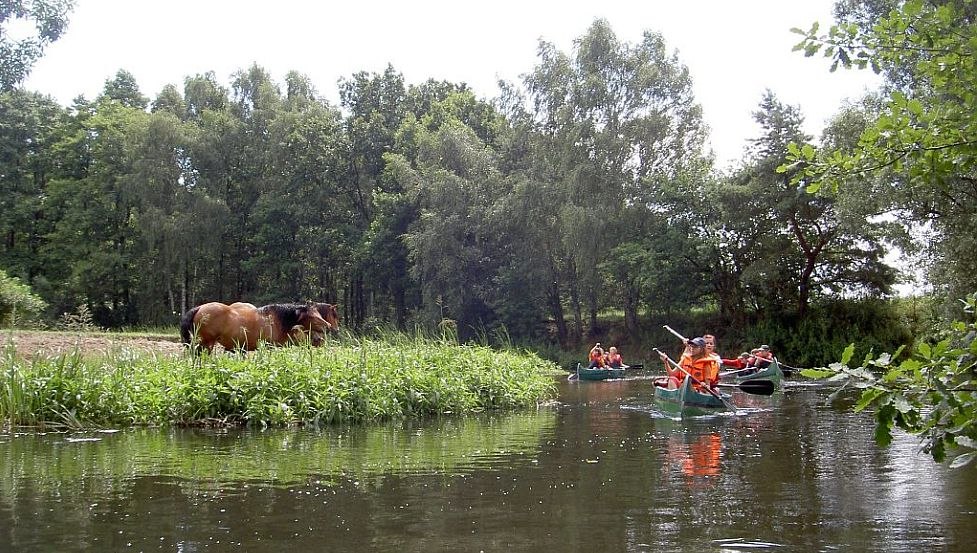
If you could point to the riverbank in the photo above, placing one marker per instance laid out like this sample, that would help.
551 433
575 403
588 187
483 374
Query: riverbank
360 380
28 343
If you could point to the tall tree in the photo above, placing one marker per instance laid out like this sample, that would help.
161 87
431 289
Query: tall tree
616 122
806 245
33 125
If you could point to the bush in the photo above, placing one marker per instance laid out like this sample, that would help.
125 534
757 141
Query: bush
18 304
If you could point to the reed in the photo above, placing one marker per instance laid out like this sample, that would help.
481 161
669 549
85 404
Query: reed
360 380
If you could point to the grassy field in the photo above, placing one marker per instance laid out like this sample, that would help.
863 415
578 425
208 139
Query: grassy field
353 380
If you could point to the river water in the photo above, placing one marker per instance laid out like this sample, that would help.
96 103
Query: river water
598 470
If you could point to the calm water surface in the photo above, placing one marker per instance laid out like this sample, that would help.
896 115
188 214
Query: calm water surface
600 470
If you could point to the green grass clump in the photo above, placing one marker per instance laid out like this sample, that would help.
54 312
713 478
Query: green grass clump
366 380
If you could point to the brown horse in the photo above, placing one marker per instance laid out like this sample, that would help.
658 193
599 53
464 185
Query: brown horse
329 313
242 325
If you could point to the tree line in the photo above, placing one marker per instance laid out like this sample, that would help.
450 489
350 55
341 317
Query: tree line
583 188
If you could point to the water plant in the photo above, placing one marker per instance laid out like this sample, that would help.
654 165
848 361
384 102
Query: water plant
359 380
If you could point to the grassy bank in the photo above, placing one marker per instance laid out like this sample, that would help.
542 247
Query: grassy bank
360 380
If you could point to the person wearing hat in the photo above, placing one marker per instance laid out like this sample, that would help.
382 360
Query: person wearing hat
764 357
703 367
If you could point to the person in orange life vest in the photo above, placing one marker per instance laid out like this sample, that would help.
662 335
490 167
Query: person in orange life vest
614 358
702 367
710 343
763 357
596 356
711 346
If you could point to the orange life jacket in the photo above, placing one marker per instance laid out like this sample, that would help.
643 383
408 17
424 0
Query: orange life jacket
704 369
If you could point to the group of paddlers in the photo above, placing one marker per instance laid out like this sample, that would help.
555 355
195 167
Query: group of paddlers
700 361
600 359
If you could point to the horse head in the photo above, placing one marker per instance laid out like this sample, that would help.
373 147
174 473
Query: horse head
309 318
330 314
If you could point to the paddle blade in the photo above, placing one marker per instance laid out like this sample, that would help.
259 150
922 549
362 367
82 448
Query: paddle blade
758 387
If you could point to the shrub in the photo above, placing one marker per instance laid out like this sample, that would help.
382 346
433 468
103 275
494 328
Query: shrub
18 304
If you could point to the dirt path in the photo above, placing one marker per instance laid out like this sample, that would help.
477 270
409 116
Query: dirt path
29 343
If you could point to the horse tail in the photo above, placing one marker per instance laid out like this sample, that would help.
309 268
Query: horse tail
186 325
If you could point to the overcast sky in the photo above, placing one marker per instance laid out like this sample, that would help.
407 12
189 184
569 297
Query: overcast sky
734 49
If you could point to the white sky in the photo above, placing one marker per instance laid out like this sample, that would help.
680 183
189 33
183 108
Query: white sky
734 49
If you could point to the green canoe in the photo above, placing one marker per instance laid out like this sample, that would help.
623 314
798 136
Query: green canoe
586 373
772 372
687 402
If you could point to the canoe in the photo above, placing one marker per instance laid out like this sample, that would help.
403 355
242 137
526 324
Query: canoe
687 402
586 373
771 372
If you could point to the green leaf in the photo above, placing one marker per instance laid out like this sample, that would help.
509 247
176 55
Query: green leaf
966 441
924 350
848 353
817 373
883 427
902 404
807 151
868 397
962 460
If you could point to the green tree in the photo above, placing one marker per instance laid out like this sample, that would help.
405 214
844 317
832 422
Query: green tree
920 149
921 143
807 245
49 19
614 123
931 393
91 245
33 125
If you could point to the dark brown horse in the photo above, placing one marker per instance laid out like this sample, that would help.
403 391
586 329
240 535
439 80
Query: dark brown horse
329 313
242 325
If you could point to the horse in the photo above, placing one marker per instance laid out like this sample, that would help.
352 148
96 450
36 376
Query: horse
328 312
240 326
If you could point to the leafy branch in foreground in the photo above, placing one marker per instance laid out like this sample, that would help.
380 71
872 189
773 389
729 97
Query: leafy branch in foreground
927 127
931 393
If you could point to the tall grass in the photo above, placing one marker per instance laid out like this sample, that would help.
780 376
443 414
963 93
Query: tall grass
362 380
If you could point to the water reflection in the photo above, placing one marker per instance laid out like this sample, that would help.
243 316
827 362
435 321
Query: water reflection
599 471
279 457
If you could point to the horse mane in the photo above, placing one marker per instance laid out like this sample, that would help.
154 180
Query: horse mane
285 313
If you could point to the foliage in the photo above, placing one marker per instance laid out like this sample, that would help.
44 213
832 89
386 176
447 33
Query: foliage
930 392
17 302
79 321
920 144
49 19
372 380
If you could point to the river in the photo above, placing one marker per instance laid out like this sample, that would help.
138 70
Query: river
597 470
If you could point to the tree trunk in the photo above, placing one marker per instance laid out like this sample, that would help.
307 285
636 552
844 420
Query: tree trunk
556 309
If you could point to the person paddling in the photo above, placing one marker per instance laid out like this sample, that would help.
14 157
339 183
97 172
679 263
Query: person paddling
614 359
764 357
703 366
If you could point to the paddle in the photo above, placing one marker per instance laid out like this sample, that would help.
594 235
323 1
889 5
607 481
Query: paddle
727 373
679 336
718 396
782 364
757 387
